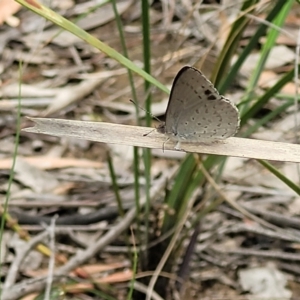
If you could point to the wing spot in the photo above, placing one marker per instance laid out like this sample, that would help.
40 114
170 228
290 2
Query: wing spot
212 97
197 110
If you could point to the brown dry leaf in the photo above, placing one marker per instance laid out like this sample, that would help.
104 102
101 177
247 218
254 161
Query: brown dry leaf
30 297
97 268
290 89
117 277
270 78
78 287
288 40
279 56
64 189
48 162
294 207
38 180
267 79
89 269
292 19
7 9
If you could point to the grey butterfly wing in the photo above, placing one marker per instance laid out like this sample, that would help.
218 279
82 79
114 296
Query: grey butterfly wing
196 112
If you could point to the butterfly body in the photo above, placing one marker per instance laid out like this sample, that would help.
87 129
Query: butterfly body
196 112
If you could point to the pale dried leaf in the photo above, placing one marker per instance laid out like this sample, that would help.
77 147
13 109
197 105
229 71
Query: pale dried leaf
267 282
134 136
7 9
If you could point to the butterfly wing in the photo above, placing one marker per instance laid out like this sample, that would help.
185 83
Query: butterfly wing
196 112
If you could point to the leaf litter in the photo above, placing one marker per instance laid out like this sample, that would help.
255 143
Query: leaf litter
70 181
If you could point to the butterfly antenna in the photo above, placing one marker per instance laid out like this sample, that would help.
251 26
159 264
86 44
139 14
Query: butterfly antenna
145 134
145 110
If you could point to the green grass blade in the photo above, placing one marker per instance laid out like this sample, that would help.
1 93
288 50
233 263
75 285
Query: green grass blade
252 44
231 44
71 27
176 198
267 96
12 169
267 46
261 122
289 183
115 184
147 152
125 52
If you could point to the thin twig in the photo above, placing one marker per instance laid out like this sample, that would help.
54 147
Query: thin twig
28 286
20 256
235 204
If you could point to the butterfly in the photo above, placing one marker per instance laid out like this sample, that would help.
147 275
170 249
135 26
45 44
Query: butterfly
196 112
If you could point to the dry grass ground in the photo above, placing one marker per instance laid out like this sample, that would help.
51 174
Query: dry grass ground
74 229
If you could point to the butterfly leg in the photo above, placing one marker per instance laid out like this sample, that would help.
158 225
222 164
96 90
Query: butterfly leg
165 143
178 146
145 134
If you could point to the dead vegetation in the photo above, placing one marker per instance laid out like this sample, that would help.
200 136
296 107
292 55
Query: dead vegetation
202 228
